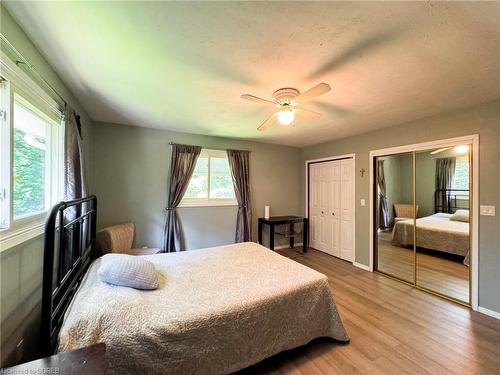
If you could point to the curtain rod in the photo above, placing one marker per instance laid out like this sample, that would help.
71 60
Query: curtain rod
209 148
21 60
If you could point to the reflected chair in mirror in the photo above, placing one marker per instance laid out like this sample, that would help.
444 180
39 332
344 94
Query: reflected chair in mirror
403 212
119 239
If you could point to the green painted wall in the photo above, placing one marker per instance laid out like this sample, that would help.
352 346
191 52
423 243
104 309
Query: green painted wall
398 181
21 294
130 178
483 120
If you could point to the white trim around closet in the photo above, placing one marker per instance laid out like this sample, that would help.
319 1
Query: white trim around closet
332 158
492 313
471 139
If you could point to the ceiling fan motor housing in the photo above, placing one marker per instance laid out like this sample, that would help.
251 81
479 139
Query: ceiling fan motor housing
285 96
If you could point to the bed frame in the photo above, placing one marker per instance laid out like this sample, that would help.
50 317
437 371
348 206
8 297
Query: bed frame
70 232
452 198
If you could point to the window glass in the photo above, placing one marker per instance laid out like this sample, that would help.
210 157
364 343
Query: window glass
29 161
211 183
221 182
461 178
198 186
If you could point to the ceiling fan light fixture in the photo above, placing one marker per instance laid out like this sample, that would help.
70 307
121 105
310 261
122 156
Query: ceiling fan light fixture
286 116
462 149
288 101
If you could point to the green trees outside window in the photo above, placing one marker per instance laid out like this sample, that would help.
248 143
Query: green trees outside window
29 174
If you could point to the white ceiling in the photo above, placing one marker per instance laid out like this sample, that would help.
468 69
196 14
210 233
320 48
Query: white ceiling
184 65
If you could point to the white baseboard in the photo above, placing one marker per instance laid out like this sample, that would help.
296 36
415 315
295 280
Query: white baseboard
362 266
286 246
489 312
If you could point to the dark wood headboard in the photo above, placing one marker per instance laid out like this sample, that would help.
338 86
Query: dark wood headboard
70 232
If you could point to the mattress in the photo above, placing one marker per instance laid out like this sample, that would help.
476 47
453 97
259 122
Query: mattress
217 310
435 232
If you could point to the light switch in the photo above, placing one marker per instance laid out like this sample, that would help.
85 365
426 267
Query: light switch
487 210
363 202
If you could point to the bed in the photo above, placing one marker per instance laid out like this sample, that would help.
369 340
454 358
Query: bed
218 310
435 232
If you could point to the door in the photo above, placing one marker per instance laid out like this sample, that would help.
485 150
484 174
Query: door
331 207
394 210
422 219
346 210
442 187
319 206
314 170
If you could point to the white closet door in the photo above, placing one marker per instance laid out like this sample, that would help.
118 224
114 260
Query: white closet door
325 240
331 207
333 212
314 206
346 206
321 238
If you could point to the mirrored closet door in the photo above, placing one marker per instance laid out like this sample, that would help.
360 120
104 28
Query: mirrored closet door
423 201
443 233
394 190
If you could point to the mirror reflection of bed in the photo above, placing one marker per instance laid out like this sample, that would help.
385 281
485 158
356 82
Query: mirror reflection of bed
438 182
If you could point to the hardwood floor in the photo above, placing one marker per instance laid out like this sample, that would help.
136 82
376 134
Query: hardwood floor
442 273
394 329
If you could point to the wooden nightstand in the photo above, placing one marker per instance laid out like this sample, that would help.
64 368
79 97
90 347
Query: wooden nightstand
84 361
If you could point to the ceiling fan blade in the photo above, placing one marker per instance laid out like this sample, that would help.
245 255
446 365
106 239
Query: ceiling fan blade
268 122
334 109
440 150
358 49
256 99
307 114
313 92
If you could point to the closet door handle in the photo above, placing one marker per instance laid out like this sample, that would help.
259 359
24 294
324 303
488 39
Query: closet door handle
322 212
333 213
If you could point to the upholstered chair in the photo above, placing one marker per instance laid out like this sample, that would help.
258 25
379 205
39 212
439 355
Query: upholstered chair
403 212
119 239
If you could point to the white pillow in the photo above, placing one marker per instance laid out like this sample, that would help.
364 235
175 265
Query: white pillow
461 215
128 270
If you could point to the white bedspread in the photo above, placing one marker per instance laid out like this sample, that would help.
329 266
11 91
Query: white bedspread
217 310
435 232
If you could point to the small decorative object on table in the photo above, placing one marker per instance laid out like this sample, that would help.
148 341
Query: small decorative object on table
266 212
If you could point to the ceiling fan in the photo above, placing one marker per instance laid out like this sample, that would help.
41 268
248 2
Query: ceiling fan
288 101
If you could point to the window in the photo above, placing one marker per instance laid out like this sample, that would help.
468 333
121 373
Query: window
461 178
211 183
29 161
31 139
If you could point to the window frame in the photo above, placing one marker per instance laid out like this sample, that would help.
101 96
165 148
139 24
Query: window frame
18 86
209 202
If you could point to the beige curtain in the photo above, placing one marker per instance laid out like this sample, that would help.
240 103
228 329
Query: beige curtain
240 171
183 161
